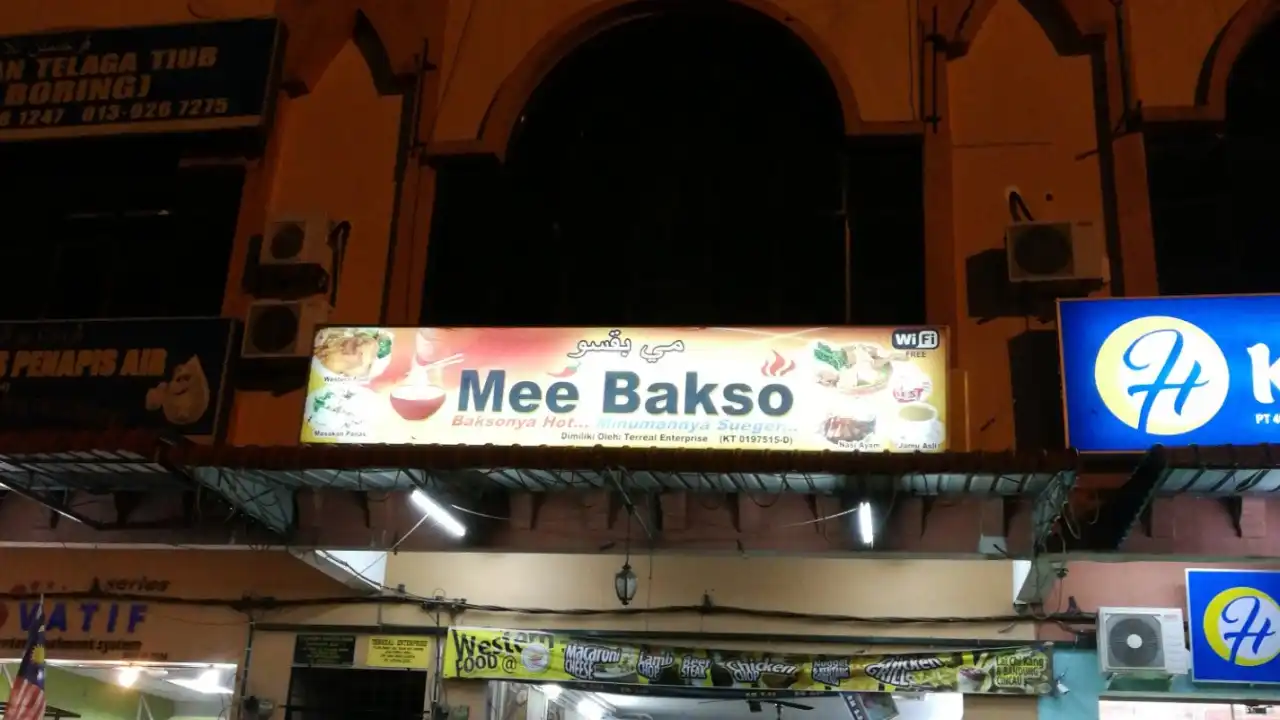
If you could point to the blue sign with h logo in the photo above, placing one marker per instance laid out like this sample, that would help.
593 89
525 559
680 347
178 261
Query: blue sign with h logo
1170 371
1234 621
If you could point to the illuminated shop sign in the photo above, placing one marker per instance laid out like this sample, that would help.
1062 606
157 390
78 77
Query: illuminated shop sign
1171 371
122 374
90 626
1234 623
202 76
838 388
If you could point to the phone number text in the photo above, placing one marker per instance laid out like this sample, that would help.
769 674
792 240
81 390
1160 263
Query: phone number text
116 112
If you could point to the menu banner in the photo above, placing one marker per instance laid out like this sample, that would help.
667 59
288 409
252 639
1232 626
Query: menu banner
116 374
521 655
808 389
199 76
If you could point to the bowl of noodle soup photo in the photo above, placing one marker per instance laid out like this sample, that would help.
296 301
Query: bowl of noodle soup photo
352 354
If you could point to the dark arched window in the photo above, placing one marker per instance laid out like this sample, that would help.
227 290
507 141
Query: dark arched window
113 228
688 167
1214 190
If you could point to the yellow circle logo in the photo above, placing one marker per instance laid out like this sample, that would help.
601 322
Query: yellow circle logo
1242 625
1161 375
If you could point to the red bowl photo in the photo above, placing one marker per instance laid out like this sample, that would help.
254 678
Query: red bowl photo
417 402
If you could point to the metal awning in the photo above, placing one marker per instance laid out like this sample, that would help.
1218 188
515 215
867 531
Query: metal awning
1225 471
262 481
1221 470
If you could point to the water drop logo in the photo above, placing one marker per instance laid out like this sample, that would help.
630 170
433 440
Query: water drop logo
1242 625
1161 375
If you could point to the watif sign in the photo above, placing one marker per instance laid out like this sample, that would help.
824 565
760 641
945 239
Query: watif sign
1171 371
1235 625
200 76
835 388
88 627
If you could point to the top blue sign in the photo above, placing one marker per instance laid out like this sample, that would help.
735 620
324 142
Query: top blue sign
1234 623
1171 371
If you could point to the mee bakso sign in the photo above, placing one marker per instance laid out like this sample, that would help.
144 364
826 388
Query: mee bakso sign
164 375
200 76
813 389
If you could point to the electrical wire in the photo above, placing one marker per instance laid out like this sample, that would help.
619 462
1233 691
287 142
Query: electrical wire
455 607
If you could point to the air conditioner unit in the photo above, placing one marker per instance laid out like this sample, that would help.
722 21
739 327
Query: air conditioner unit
1055 251
289 241
1142 641
256 708
282 328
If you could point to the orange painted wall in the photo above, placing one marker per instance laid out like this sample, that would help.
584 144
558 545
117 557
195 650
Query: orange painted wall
162 631
1017 109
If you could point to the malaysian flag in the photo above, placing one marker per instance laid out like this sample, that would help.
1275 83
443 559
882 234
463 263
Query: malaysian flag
26 697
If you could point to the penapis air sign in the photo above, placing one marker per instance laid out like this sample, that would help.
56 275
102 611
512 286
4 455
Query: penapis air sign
835 388
154 374
1171 371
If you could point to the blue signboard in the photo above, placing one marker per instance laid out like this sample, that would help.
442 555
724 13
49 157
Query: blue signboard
1171 371
201 76
1235 625
116 374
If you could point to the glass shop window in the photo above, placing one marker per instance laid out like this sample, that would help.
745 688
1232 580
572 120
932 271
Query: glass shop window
108 228
344 694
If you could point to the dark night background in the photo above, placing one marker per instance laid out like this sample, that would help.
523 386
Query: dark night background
685 168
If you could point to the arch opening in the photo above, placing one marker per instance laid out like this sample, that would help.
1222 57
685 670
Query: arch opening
683 167
1213 196
367 40
515 92
306 66
1058 19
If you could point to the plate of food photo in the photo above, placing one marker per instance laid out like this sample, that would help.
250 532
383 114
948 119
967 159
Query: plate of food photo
352 354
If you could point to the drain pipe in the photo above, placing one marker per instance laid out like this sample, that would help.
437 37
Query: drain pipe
243 684
1122 55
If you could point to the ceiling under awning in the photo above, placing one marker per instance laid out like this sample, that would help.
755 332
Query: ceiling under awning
263 483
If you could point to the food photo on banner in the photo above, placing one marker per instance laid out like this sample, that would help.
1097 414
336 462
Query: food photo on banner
527 656
163 375
508 700
1171 371
1234 623
814 389
196 76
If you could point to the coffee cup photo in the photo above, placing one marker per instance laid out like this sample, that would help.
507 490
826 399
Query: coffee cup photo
917 424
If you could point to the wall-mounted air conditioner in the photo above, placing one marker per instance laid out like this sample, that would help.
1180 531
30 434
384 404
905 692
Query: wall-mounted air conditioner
1147 641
